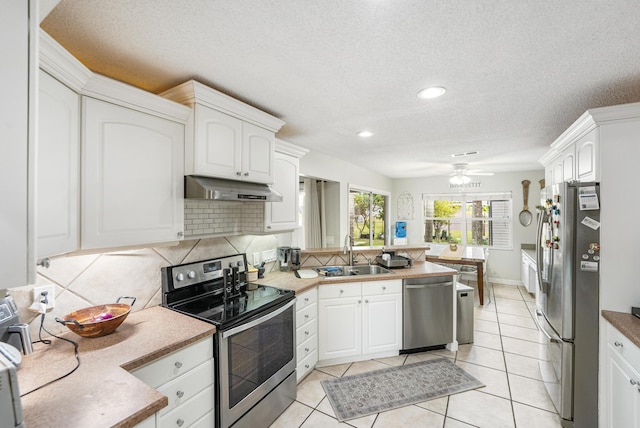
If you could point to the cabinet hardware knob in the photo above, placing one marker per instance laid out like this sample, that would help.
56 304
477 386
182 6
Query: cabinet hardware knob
359 301
180 234
366 301
306 299
384 288
178 364
341 291
180 394
246 174
307 316
633 382
306 366
306 349
619 344
306 333
238 173
180 422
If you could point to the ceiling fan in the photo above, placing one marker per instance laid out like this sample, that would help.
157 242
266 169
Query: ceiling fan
461 173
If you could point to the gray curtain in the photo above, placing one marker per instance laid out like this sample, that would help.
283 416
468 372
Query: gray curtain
314 214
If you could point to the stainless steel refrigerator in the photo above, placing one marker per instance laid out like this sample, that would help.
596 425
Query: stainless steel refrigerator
568 253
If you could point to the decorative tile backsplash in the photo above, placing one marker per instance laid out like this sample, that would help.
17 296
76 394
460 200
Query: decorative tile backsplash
89 280
222 217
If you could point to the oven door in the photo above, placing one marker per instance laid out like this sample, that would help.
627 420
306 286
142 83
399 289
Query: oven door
254 358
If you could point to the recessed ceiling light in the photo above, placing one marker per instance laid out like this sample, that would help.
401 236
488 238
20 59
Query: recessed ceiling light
433 92
459 155
365 134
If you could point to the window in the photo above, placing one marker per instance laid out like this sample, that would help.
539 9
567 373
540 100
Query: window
367 211
482 219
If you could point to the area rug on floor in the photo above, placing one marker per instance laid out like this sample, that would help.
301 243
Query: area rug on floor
380 390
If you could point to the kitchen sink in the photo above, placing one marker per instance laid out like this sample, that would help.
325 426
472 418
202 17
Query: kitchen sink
332 271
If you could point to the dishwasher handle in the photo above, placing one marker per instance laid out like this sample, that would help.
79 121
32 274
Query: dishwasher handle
432 285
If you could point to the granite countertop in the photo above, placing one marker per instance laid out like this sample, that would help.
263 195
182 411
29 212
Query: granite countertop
628 324
102 392
290 281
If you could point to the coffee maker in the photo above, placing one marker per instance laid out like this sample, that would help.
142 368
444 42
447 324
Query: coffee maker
289 258
12 331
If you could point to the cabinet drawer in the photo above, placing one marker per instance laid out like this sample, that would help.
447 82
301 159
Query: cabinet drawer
181 389
190 411
333 291
382 287
306 365
175 364
207 421
625 347
307 298
306 348
307 314
306 331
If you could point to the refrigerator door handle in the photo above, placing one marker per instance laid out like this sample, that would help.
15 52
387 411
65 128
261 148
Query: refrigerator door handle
541 328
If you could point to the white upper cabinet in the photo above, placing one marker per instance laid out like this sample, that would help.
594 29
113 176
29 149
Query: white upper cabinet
284 215
587 157
18 25
575 154
132 175
226 138
58 168
220 150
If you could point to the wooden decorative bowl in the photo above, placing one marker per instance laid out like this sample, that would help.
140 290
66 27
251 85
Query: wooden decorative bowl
97 321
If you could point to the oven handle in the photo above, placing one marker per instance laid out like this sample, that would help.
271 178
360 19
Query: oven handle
260 320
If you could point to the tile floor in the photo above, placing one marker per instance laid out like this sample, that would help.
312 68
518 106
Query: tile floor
504 356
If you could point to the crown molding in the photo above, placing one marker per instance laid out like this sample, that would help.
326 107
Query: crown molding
59 63
290 149
192 92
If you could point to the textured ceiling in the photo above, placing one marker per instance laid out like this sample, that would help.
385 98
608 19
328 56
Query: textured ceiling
518 73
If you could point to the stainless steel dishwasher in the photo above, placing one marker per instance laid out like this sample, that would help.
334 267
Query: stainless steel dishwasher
427 312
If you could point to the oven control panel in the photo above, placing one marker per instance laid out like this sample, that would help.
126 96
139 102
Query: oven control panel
202 271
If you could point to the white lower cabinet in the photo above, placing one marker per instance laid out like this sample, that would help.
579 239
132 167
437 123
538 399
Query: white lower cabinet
622 408
186 377
306 333
529 272
359 320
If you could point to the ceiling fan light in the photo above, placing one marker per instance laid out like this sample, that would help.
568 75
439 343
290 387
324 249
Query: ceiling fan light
433 92
459 179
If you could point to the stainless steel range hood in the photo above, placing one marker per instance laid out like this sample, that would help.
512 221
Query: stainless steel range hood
218 189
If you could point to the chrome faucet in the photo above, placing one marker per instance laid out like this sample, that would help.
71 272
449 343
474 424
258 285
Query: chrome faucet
348 247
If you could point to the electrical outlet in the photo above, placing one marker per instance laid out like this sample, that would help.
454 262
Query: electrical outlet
50 295
256 259
269 256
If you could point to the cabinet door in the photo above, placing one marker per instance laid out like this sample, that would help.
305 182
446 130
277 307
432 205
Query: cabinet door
558 170
132 177
568 163
58 168
623 407
586 157
258 145
284 215
17 114
217 146
382 323
524 270
340 327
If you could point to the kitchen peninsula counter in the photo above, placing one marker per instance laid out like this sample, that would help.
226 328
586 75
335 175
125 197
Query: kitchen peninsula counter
102 392
289 281
626 323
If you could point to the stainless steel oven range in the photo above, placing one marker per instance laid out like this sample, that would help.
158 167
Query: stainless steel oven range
254 346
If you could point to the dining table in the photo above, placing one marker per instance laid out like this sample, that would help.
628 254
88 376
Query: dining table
462 255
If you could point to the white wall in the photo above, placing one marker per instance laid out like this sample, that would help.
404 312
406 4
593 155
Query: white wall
619 216
504 265
319 165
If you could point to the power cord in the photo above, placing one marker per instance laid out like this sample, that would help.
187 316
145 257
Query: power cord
48 342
